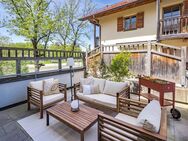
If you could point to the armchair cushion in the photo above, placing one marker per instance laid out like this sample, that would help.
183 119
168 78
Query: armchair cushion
112 88
51 86
37 85
52 98
150 116
127 118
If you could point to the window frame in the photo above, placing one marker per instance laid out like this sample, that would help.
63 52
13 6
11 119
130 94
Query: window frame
172 6
130 18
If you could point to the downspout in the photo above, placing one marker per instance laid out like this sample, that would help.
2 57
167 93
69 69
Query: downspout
158 19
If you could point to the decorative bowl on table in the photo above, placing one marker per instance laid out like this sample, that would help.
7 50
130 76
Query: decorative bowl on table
75 106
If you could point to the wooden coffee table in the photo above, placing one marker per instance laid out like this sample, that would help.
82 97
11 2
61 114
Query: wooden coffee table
79 121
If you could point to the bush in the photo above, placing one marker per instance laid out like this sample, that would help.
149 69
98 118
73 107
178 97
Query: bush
119 67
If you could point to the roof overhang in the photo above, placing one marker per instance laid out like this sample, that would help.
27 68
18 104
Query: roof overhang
118 7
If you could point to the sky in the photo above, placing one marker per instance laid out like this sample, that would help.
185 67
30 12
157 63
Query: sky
14 38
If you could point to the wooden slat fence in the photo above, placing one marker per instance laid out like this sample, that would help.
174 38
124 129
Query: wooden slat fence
152 59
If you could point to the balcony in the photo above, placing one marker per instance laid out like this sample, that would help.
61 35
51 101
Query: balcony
176 27
16 123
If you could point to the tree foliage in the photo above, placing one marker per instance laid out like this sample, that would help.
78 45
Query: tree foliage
71 30
32 19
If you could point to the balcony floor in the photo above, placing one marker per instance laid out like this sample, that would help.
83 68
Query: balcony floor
10 130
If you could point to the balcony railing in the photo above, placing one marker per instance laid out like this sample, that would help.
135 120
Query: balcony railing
174 27
23 63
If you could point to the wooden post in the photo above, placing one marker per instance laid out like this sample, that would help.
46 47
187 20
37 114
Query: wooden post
1 54
100 34
59 64
158 19
84 64
94 35
183 66
148 60
18 67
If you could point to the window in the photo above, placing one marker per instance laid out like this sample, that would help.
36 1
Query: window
130 23
171 20
171 12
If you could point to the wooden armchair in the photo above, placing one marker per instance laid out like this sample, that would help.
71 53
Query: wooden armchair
125 92
113 129
37 98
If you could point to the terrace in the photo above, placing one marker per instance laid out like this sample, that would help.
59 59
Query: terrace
17 123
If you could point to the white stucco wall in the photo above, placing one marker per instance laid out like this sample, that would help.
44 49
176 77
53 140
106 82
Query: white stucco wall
11 93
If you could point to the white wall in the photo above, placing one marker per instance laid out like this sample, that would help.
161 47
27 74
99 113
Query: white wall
11 93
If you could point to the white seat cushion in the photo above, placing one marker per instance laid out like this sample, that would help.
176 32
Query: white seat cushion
127 119
100 82
102 99
152 114
112 88
52 98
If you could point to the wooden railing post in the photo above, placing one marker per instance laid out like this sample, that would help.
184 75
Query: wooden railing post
183 66
1 53
148 60
59 64
84 64
18 67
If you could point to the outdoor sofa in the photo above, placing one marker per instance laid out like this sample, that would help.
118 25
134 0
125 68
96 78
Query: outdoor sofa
36 94
109 92
125 126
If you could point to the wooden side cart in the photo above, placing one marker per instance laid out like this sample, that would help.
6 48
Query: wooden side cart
162 87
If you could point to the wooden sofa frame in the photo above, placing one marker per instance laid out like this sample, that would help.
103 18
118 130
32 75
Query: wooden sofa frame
125 92
108 126
35 97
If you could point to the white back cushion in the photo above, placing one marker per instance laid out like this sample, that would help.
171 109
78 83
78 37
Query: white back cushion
85 81
112 88
100 82
152 114
37 85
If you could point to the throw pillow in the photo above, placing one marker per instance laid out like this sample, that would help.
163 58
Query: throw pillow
151 115
51 87
86 89
148 126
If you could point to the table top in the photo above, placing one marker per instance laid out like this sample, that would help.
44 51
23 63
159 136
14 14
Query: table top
80 121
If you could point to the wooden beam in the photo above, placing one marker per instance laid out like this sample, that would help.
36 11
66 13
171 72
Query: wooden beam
94 35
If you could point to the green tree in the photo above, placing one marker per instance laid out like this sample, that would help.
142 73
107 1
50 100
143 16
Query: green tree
32 19
119 67
71 30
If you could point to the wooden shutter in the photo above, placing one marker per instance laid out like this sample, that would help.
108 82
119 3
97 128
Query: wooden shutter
140 20
120 24
185 7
